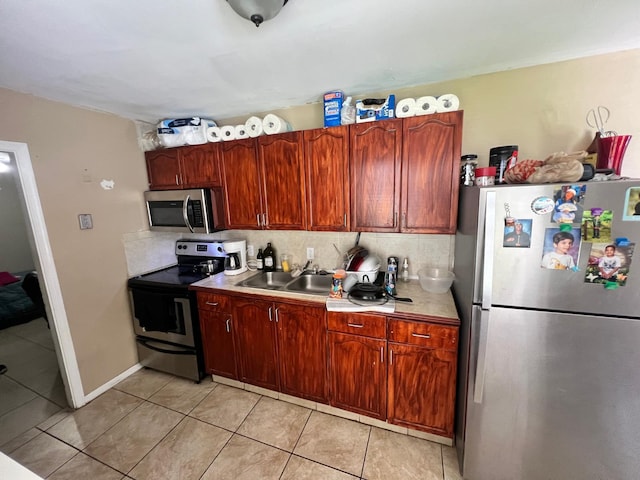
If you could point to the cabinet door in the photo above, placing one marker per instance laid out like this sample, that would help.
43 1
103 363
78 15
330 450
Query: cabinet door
218 343
199 166
255 336
358 374
326 154
375 152
422 388
283 189
430 172
241 175
302 350
163 169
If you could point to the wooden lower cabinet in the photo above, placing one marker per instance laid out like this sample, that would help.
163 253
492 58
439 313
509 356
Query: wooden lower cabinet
256 340
358 374
216 325
302 351
422 388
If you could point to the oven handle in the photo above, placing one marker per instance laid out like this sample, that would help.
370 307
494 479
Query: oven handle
147 344
185 216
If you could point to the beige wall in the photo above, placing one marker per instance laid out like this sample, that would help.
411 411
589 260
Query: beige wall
542 109
72 150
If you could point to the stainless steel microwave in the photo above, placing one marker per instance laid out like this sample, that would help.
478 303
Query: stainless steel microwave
194 211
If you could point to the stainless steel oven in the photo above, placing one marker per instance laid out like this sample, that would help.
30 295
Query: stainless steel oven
165 313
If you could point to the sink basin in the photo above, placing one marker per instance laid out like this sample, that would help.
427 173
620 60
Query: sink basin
267 280
314 284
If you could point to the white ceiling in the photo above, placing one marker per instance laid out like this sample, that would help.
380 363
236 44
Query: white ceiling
154 59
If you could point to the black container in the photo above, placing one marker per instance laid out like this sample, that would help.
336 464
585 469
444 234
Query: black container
502 158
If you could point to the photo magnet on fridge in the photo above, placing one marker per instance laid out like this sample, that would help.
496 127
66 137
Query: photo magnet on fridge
561 248
608 263
596 225
518 234
632 205
569 200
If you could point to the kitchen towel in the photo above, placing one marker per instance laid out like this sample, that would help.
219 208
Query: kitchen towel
448 103
228 132
426 105
214 135
241 132
406 108
272 124
254 127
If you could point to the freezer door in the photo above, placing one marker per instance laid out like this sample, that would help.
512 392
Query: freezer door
519 280
552 396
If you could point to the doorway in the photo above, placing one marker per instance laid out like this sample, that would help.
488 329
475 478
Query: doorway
19 159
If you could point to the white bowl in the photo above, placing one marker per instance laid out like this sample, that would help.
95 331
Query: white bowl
435 280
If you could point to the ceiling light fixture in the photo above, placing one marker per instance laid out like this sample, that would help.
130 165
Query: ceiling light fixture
257 11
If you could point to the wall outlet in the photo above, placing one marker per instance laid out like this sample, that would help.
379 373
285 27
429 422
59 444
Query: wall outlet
310 253
250 250
86 222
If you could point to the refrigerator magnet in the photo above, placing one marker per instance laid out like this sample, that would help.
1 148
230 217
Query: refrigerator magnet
632 205
596 225
561 248
609 264
542 205
518 234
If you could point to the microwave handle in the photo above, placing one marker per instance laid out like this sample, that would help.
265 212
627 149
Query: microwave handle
185 216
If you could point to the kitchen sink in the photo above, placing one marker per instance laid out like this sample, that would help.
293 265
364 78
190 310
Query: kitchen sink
283 281
267 280
314 284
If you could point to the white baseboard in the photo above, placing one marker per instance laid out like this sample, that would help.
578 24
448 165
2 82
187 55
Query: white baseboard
114 381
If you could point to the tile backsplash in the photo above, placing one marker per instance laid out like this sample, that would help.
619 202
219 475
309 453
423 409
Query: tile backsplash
146 251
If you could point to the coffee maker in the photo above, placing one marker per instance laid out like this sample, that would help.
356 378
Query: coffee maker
235 261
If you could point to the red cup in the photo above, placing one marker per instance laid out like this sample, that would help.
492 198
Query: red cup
611 152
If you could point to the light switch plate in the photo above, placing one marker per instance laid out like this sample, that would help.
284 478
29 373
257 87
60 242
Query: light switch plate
86 222
250 250
310 253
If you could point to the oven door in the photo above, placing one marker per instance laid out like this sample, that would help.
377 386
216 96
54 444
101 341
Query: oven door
163 315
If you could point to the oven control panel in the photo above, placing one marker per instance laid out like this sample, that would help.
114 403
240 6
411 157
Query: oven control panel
200 248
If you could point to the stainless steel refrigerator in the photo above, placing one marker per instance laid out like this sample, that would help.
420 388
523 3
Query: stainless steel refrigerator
549 367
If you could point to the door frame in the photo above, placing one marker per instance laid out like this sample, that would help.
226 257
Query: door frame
45 265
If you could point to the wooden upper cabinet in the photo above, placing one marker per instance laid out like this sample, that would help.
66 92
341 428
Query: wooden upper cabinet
241 180
193 166
430 180
282 181
163 169
375 154
326 155
199 166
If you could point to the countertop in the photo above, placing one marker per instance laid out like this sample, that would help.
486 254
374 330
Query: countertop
424 303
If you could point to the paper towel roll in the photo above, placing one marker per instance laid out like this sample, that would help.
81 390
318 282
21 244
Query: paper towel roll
241 132
272 124
253 127
214 135
426 105
228 132
406 108
448 103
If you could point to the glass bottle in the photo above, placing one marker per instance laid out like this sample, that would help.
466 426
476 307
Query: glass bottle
404 273
260 260
269 258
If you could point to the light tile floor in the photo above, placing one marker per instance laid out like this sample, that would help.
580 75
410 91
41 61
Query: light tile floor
156 426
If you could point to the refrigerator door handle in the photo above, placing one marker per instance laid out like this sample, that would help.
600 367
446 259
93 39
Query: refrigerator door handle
489 249
478 389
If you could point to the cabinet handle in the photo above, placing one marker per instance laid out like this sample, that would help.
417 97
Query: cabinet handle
420 335
270 317
390 356
395 219
258 219
277 318
213 304
344 221
264 219
354 325
381 354
228 324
